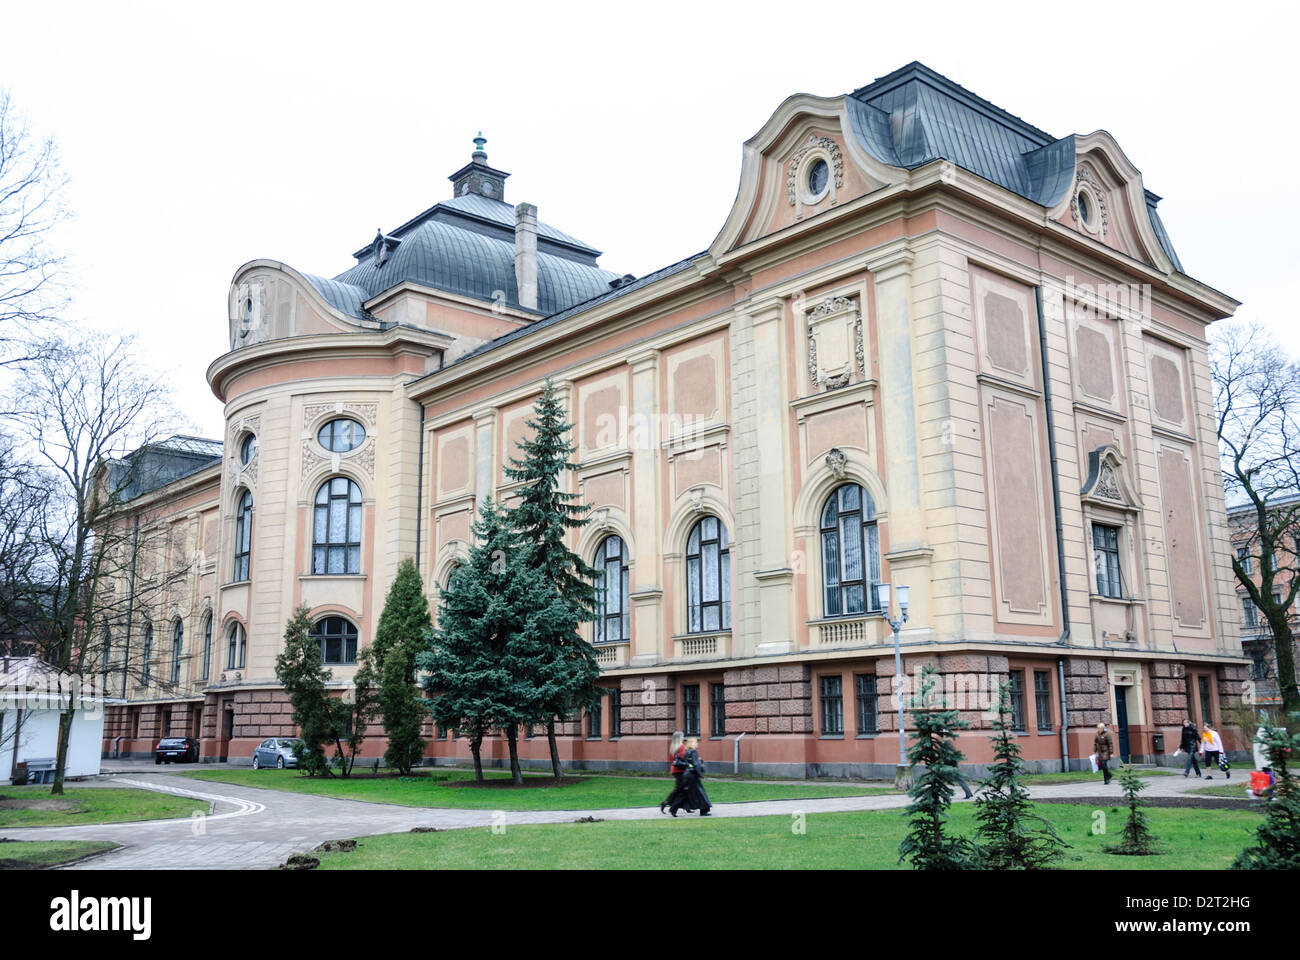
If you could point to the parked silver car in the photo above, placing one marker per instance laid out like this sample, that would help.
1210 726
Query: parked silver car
276 752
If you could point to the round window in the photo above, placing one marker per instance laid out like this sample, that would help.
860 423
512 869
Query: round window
247 448
819 174
1085 208
342 435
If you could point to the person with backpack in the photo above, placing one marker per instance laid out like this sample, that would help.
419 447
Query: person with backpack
1190 745
676 766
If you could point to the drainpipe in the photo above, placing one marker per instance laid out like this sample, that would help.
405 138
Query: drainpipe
1065 748
735 754
130 604
419 491
1060 530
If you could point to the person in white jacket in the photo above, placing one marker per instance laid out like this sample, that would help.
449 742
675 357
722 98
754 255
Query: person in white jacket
1212 747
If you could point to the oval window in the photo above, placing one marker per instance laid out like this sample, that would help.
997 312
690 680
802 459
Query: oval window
1085 209
247 448
818 176
342 435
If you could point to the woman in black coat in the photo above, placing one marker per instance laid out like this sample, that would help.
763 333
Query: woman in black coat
692 795
1190 744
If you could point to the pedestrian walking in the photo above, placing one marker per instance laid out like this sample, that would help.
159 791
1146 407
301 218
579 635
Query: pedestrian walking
676 766
693 796
1190 745
1212 747
1103 750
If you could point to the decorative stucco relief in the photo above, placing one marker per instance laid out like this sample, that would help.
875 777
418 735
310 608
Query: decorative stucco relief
835 342
1085 178
366 412
814 143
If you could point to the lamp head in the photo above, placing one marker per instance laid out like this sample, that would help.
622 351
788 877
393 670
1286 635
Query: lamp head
902 598
882 591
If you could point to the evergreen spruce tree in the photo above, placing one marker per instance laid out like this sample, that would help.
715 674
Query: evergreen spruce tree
927 845
299 670
475 677
1137 840
389 663
563 665
1010 837
1277 839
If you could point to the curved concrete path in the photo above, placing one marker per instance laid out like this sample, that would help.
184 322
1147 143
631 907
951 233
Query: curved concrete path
256 827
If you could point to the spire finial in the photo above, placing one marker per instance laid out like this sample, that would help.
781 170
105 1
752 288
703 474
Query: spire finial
479 141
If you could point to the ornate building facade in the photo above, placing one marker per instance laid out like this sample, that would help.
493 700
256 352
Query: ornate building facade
932 346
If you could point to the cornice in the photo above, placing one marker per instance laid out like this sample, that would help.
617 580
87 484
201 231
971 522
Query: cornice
391 342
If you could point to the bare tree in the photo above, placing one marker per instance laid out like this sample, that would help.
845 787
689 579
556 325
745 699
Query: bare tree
1257 394
31 205
86 411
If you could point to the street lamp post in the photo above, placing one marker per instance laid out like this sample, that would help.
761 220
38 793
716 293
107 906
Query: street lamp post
902 776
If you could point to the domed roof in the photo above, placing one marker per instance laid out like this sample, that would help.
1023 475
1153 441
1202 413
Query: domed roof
466 246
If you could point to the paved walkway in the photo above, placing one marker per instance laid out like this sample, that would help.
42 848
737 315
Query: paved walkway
255 827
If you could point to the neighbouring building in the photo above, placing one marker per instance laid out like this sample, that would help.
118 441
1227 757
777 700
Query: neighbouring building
931 346
1256 637
32 696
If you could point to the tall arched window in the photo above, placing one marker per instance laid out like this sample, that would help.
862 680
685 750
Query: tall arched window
708 577
850 552
336 538
207 646
243 535
613 613
178 641
338 640
236 650
108 654
148 653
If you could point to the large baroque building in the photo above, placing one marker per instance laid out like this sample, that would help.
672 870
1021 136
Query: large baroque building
931 346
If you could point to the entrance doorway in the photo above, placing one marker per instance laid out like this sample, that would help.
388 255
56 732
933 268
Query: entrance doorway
227 729
1121 721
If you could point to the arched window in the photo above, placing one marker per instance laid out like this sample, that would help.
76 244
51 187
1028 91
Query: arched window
613 613
238 644
338 640
850 553
336 540
148 653
708 577
207 646
178 641
243 535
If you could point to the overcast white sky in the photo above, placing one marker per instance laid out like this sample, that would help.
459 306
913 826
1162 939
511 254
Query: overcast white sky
200 137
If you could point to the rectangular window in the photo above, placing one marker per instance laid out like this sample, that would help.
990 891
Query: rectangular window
1105 560
1249 615
718 707
868 718
1043 700
1243 556
1018 701
691 709
615 715
593 721
832 707
1203 687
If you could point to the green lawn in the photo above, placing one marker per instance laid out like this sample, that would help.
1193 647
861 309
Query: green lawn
33 806
829 841
585 793
38 854
1234 788
1080 776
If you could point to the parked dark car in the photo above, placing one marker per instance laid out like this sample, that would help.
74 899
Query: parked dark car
176 750
276 752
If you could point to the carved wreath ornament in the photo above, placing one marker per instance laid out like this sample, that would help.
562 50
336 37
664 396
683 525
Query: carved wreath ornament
1086 178
814 143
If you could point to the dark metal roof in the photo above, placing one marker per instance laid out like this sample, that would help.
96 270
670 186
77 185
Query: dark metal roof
466 246
914 116
608 295
158 464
